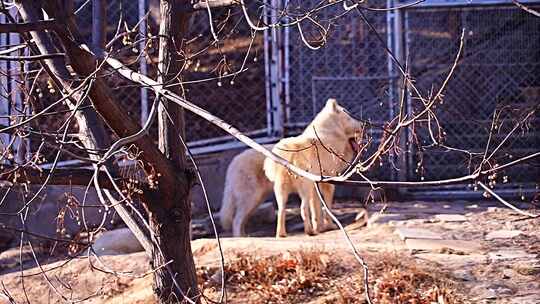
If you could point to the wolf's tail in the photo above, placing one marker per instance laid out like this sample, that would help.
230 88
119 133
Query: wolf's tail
226 213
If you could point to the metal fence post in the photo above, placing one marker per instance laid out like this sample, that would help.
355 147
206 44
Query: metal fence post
142 61
396 44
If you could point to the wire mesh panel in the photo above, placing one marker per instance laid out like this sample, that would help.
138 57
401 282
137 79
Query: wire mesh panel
209 69
498 77
238 98
352 67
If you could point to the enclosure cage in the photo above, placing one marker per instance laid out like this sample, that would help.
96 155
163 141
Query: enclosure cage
283 83
498 70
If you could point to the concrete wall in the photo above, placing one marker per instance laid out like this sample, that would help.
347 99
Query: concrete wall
43 213
57 212
213 168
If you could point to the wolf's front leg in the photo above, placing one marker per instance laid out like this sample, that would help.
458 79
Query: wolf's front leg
281 198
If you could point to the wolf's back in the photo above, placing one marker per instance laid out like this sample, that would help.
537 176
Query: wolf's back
294 150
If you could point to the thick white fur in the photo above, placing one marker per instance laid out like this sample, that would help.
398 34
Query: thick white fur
118 241
246 187
315 151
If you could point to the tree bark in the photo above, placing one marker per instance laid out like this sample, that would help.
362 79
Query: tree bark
91 130
170 181
162 173
168 201
171 227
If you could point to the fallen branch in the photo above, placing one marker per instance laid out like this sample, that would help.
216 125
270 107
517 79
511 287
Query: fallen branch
500 199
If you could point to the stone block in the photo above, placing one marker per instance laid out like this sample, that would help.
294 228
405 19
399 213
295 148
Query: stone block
416 233
511 254
447 218
453 246
502 234
386 218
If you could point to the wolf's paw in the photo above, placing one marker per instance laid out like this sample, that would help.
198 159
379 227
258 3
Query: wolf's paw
330 226
280 235
311 232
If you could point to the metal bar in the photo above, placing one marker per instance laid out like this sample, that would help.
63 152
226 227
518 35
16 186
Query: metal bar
99 23
286 69
223 138
4 102
16 95
399 52
230 145
392 34
408 159
316 78
275 87
142 61
461 3
267 76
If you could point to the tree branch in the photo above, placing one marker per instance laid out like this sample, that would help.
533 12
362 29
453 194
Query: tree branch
203 5
21 175
31 57
23 27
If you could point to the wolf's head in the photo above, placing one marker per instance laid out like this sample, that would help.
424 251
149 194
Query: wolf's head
350 126
334 121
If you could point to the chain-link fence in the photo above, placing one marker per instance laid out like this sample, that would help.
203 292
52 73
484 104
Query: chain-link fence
210 70
238 98
499 70
352 67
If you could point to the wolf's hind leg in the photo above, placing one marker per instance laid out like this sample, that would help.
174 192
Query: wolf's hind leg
243 210
245 207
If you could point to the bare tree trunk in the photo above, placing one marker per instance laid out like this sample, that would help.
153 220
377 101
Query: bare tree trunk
91 130
171 227
168 202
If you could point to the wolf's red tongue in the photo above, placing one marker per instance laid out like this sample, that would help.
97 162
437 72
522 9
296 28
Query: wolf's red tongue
354 145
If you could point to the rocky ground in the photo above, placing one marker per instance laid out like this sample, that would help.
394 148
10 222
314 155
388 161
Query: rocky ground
442 252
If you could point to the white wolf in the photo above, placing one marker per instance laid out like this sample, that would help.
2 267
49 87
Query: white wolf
246 184
246 187
323 148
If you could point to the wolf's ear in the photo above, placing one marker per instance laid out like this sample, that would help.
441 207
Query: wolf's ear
332 104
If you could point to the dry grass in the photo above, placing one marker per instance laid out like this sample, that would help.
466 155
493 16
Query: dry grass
314 276
292 276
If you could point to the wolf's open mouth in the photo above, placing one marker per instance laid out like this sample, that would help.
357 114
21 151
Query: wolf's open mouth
354 144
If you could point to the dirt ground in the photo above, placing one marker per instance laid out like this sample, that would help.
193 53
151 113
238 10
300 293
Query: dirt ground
417 252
